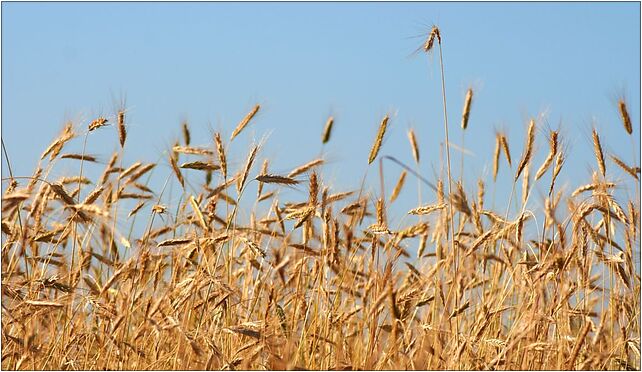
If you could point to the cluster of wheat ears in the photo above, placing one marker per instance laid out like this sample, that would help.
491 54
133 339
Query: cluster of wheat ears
321 283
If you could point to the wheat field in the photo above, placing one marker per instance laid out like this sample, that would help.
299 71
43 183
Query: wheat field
324 280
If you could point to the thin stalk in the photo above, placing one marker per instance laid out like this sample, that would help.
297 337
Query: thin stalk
413 172
453 247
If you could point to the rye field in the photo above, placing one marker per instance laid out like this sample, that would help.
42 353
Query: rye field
235 271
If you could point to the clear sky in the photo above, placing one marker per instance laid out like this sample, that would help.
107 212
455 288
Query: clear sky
211 62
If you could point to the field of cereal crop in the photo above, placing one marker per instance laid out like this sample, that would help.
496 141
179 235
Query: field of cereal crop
205 260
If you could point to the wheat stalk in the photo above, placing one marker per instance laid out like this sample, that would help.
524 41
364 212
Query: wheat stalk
624 114
246 120
504 143
374 150
272 178
186 133
220 150
413 145
397 189
466 113
597 149
528 152
327 130
496 157
633 171
306 167
551 155
122 132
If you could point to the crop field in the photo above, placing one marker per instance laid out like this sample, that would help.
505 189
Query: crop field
202 260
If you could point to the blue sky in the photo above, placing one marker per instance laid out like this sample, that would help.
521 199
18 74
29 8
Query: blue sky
210 63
